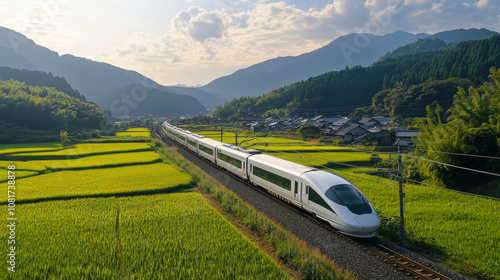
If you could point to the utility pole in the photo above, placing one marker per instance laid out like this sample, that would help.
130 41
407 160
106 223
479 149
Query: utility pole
401 196
236 138
221 133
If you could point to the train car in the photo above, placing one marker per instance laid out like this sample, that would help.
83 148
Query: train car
234 159
192 141
340 203
279 176
181 137
329 196
207 148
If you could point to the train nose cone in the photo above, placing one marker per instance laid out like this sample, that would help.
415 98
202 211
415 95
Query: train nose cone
368 221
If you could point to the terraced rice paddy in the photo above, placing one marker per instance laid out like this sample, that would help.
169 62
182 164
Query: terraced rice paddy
29 147
125 180
81 150
100 161
114 211
169 236
135 132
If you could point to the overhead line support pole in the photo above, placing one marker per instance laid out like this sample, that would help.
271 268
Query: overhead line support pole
401 196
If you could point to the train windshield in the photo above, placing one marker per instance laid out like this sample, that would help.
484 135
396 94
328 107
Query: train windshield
349 196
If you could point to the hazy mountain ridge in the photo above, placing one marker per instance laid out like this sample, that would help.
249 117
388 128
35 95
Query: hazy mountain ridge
339 92
349 50
137 100
442 40
95 80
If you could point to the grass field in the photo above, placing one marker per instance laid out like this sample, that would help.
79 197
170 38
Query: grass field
22 165
173 236
465 226
94 221
158 177
29 147
135 132
81 150
100 161
19 174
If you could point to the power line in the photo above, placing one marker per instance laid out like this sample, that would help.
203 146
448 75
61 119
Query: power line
458 154
434 186
455 166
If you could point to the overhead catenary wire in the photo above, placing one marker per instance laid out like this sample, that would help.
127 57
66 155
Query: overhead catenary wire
455 166
458 154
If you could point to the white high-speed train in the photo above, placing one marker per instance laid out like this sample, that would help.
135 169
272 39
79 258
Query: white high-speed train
325 194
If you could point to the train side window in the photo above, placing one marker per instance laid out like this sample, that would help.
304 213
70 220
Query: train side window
296 187
307 190
316 198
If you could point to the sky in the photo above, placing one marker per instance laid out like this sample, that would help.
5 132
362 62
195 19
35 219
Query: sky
193 42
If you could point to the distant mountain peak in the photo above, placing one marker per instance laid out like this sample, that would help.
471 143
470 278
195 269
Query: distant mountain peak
273 73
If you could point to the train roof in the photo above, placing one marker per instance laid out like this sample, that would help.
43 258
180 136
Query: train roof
281 164
237 150
324 180
209 141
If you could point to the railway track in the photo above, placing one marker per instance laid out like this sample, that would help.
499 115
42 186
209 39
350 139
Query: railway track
412 268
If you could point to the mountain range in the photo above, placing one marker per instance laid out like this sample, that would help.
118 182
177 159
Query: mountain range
95 80
345 51
99 82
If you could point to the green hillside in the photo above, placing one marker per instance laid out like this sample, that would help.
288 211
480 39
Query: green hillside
40 113
340 92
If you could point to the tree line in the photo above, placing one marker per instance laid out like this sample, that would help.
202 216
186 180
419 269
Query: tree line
358 85
26 108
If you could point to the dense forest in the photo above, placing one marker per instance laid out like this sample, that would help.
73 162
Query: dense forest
472 128
340 92
26 108
39 78
410 101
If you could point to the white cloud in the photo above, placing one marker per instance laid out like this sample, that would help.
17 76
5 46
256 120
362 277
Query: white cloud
436 7
211 43
481 4
198 24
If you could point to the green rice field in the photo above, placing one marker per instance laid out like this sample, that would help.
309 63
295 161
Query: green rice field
100 161
144 132
29 147
80 150
466 226
156 177
168 236
116 211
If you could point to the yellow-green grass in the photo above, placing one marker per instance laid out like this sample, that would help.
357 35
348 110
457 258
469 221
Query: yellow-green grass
29 147
321 158
125 133
101 161
182 237
467 226
138 131
22 165
169 236
80 150
230 137
4 175
149 178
